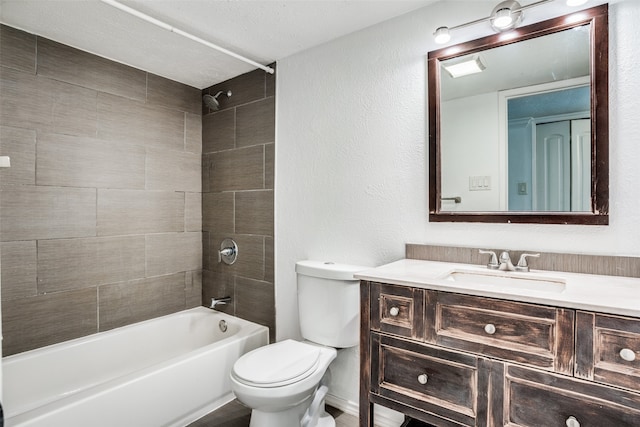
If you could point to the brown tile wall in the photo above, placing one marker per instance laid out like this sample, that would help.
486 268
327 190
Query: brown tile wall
237 200
100 213
574 263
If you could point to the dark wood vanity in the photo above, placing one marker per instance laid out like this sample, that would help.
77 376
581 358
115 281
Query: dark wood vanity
451 359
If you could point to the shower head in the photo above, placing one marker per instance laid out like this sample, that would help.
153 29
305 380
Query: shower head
212 102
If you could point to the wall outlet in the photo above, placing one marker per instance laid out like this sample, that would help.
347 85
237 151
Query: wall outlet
479 183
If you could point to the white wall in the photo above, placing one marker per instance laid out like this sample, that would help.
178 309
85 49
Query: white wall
351 157
475 115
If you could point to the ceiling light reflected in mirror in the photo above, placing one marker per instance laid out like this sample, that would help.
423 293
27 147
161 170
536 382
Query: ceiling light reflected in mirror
472 65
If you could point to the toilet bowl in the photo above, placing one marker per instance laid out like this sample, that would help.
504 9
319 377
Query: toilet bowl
285 383
280 381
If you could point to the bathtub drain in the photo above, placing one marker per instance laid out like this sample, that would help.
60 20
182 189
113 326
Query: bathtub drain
223 326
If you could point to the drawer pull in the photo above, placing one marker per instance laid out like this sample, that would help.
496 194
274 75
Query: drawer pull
394 311
628 354
490 328
572 422
423 378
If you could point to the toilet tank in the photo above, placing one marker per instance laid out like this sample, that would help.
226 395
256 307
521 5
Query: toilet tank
329 303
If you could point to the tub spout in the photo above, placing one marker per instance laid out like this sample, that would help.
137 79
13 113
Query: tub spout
219 301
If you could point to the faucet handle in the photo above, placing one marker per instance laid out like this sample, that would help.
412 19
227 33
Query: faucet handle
522 263
493 261
228 252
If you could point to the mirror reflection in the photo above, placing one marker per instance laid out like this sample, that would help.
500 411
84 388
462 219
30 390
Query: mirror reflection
516 128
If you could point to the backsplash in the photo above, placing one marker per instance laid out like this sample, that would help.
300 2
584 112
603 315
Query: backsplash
237 180
574 263
100 212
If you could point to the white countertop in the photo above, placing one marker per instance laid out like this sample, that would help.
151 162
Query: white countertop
607 294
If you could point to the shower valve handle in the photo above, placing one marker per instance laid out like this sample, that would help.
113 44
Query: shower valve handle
228 252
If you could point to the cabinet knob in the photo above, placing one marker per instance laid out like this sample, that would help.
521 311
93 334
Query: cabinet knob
572 422
423 378
394 311
628 354
490 328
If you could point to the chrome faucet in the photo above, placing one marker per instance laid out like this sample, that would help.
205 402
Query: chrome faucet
505 262
219 301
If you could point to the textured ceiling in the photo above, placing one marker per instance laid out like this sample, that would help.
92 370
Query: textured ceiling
264 31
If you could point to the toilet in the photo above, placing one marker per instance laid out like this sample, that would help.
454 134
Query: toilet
285 383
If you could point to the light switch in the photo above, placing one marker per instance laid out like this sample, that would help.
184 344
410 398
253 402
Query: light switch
522 188
5 162
479 183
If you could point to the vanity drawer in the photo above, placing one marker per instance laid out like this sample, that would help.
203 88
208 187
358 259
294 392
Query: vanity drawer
608 349
397 310
436 381
524 333
535 399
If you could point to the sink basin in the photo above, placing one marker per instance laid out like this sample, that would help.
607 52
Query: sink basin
507 280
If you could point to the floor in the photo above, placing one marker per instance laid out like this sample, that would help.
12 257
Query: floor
235 414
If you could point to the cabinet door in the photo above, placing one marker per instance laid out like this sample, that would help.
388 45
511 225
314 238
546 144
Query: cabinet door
608 349
445 387
397 310
540 399
530 334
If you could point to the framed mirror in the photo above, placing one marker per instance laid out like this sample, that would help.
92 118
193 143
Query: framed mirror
524 137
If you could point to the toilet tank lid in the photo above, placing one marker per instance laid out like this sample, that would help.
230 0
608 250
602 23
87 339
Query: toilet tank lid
328 269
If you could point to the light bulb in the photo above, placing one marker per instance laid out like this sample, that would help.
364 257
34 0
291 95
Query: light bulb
503 18
442 35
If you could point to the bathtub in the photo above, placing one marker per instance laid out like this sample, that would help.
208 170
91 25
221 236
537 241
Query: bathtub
167 371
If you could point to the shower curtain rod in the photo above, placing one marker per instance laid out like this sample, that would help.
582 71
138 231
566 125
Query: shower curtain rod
173 29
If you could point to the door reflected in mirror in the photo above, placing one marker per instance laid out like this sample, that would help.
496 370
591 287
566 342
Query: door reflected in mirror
511 125
549 151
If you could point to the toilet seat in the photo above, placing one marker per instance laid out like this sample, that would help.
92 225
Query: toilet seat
278 364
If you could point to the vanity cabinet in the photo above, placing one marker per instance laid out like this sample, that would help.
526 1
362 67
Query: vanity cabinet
450 359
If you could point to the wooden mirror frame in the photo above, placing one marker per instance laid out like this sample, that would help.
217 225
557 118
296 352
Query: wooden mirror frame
599 64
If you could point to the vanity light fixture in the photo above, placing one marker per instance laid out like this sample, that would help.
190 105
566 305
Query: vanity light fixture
442 35
505 16
472 65
502 18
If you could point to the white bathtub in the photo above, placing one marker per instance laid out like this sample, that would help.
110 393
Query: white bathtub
167 371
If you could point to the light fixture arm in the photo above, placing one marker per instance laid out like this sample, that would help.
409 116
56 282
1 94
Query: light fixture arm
489 18
470 23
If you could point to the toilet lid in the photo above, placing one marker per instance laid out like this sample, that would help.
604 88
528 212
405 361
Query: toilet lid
277 364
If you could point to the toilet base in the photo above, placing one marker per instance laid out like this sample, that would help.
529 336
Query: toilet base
326 420
289 418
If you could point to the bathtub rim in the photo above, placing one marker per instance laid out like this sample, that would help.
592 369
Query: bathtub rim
96 336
